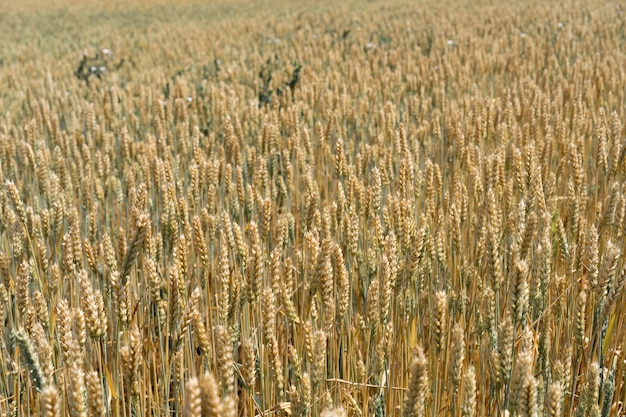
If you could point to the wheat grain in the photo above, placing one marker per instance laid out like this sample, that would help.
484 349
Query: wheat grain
50 402
414 402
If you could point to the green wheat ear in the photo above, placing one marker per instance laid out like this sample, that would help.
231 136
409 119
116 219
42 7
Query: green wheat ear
30 358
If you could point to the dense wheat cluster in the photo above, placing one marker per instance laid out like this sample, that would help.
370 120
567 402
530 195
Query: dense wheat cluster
378 209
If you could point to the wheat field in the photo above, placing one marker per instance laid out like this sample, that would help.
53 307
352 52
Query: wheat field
380 208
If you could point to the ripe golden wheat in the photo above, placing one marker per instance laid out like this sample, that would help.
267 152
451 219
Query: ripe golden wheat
383 210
